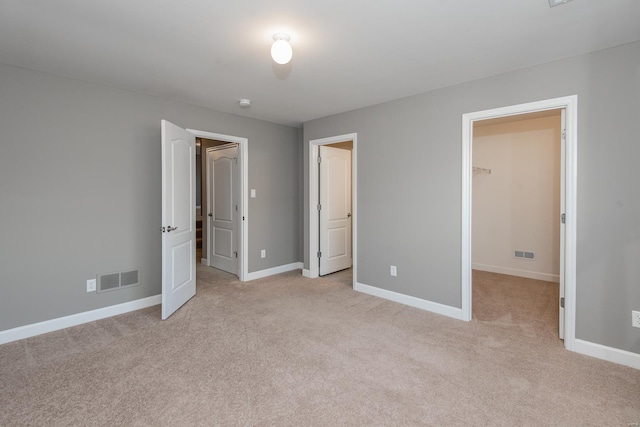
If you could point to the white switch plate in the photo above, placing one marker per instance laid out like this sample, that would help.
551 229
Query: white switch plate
253 193
635 319
91 285
394 270
263 253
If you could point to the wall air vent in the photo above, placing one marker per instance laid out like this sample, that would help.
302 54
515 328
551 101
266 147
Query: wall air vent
524 255
113 281
129 278
107 282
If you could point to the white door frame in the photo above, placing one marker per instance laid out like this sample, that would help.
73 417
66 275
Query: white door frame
243 202
313 271
570 104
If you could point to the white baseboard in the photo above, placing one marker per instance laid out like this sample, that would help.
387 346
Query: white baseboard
610 354
204 261
516 272
306 273
423 304
274 270
76 319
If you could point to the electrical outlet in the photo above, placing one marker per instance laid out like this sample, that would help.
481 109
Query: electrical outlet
394 270
91 285
263 253
635 319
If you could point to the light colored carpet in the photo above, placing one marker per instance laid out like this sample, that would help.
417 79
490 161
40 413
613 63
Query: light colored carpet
530 305
291 351
342 276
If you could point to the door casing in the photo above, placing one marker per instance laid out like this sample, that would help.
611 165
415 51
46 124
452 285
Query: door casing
312 236
570 105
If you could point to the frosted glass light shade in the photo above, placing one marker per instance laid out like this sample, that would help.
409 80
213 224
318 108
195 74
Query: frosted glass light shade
281 51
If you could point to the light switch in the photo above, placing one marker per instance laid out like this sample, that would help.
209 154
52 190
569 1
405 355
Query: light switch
253 193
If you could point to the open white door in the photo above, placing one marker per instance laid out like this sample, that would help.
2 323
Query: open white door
563 138
222 180
335 209
178 217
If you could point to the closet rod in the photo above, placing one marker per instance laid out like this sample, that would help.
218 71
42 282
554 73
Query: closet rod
477 170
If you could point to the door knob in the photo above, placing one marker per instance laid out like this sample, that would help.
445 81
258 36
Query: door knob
170 229
349 215
210 214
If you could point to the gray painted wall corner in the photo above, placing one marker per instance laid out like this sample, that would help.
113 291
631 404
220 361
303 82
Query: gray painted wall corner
409 195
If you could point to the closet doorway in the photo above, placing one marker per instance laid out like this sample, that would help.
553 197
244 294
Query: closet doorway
209 141
222 182
566 214
341 143
334 208
516 217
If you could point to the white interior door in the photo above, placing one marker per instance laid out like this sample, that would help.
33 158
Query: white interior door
335 209
178 217
222 180
563 139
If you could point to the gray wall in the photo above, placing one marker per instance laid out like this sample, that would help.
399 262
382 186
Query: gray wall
80 191
409 185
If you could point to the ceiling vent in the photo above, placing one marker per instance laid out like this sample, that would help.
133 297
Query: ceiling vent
554 3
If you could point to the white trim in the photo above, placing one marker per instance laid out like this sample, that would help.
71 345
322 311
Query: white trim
563 239
243 147
609 354
423 304
547 277
306 273
313 271
274 270
39 328
570 104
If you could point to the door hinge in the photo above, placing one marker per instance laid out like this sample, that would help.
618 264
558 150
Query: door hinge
236 208
562 302
319 207
243 218
319 254
564 134
236 253
563 218
319 159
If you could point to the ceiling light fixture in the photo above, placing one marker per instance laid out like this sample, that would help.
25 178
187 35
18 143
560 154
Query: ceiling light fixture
281 49
244 103
554 3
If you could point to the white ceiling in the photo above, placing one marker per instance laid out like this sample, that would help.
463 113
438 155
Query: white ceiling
347 54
